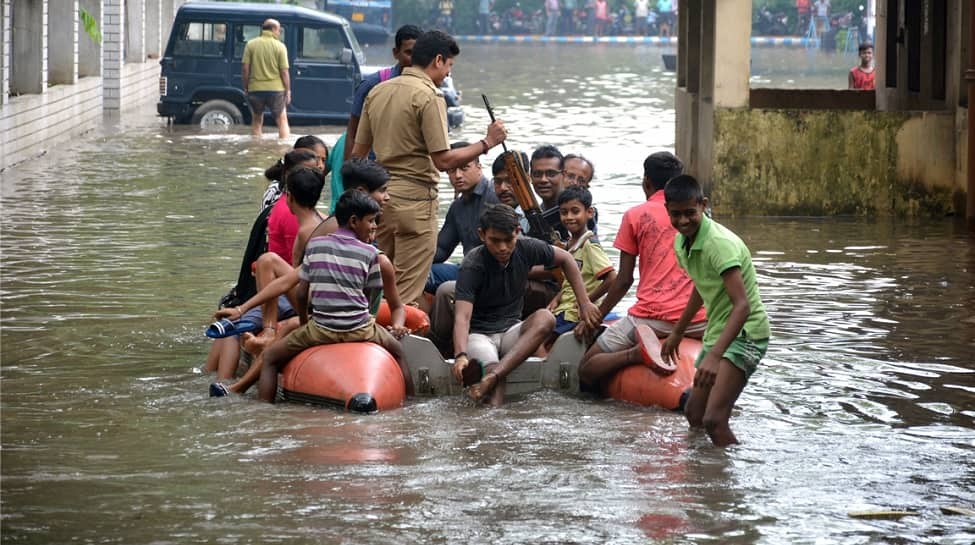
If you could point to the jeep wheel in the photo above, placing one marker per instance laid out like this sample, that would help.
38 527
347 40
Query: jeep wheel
217 114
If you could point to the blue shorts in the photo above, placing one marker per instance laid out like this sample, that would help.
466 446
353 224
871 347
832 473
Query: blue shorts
562 325
285 311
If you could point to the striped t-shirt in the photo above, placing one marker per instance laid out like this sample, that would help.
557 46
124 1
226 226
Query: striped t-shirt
339 268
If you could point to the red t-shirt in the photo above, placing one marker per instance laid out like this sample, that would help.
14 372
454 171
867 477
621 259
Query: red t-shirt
664 287
282 230
802 6
863 80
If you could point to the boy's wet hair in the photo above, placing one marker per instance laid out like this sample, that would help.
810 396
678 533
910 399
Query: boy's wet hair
499 217
683 188
576 193
863 46
498 165
548 151
359 172
407 32
580 157
660 167
460 144
305 185
432 43
354 203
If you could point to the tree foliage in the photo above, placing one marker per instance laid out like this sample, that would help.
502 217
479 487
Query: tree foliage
91 26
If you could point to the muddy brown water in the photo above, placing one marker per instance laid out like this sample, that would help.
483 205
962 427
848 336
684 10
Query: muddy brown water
116 247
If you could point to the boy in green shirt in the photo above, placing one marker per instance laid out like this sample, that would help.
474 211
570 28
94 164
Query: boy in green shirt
737 333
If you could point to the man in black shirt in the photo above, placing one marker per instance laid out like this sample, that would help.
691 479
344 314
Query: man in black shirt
490 295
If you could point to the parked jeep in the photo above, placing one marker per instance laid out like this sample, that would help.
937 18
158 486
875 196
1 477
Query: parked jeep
200 80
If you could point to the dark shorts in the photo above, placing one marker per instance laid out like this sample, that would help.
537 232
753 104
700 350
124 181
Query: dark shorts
260 100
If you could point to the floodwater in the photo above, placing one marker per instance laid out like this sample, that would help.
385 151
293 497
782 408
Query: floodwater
117 246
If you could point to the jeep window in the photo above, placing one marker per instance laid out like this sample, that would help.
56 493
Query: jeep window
321 44
201 39
242 35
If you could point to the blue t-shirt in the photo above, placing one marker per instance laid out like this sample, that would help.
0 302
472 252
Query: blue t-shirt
368 82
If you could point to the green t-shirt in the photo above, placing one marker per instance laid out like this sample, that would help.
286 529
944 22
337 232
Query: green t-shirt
267 57
593 264
715 250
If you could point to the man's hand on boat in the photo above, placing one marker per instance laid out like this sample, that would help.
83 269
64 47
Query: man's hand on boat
460 363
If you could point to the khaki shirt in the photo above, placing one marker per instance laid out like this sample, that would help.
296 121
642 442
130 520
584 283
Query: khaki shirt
404 121
267 57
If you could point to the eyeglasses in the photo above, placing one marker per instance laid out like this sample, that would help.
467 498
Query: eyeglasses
545 173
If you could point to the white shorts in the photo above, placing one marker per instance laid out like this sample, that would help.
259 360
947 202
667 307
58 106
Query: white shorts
621 336
489 347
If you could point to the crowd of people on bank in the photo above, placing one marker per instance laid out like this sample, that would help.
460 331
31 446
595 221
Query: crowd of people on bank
322 277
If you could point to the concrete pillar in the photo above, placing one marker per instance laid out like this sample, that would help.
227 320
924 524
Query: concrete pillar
713 74
5 45
89 52
28 60
732 52
113 36
135 30
154 30
62 45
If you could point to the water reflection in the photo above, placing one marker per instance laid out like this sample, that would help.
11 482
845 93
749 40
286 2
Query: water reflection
115 249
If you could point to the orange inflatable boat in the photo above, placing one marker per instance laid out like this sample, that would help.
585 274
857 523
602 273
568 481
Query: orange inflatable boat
360 377
417 321
641 385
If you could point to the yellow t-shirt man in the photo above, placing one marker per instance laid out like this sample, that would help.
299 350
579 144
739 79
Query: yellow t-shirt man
267 57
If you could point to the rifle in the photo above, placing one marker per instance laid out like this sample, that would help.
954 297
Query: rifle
517 173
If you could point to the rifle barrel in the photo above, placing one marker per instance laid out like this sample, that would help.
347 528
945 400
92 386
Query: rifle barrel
490 111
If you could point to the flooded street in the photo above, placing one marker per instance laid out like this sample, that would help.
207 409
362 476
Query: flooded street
116 248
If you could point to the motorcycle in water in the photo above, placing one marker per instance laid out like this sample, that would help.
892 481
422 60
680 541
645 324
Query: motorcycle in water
767 23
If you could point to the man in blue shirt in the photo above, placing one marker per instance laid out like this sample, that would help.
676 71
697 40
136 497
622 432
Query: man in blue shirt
403 53
474 191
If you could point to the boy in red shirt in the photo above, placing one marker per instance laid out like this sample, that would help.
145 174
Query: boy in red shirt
664 289
862 76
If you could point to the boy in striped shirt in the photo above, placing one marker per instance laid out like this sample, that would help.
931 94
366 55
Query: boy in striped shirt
337 275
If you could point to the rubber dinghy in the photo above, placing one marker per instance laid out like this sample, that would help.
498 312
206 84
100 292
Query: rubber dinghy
558 371
360 377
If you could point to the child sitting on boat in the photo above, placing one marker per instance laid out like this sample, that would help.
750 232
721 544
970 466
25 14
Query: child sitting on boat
337 275
367 177
725 283
646 235
575 210
490 294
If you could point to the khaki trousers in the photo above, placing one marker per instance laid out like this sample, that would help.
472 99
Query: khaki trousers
408 236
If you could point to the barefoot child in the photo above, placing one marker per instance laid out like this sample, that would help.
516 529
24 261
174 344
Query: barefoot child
369 178
575 210
490 295
645 238
338 274
737 334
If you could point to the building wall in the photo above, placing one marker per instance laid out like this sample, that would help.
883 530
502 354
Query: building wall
895 151
828 162
55 83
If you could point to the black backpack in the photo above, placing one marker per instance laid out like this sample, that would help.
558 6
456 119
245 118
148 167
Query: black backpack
256 245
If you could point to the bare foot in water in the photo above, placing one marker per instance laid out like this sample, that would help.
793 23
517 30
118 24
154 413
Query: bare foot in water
256 344
478 391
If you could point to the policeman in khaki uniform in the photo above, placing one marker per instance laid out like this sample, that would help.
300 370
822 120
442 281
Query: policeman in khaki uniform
404 122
